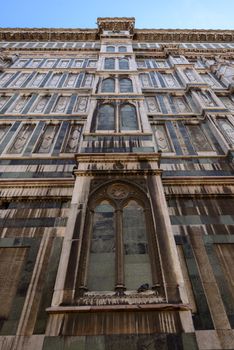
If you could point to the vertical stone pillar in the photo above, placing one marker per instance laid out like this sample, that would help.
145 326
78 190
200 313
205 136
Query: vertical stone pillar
173 277
77 213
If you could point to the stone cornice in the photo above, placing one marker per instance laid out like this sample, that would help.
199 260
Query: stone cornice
80 34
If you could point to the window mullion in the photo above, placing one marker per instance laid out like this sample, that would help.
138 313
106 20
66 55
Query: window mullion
119 282
117 125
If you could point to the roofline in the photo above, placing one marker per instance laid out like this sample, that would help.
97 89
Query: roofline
79 34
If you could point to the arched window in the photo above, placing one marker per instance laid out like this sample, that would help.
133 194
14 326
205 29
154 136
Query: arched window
108 85
135 246
106 117
128 117
119 249
101 275
122 49
109 63
125 85
110 49
123 63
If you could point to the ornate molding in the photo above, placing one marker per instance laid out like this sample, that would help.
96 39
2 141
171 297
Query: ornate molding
79 34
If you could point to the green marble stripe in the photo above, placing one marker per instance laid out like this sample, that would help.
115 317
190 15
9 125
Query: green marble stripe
222 283
202 319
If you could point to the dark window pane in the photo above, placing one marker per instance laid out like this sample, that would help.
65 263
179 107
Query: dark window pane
106 118
128 118
122 49
123 63
109 63
102 274
110 49
137 263
108 85
125 85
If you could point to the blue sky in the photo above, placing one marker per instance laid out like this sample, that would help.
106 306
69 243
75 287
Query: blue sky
215 14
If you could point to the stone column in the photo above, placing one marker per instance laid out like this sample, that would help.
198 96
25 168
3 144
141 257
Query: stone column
77 213
174 283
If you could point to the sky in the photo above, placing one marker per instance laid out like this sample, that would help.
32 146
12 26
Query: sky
184 14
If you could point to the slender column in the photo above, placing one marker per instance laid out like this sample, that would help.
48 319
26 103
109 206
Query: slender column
78 208
175 289
119 283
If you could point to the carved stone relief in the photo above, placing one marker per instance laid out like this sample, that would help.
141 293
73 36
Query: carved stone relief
18 82
228 129
92 64
49 63
209 80
162 139
54 80
72 143
81 104
88 80
47 139
161 63
71 80
41 104
145 80
206 98
190 75
169 80
3 101
228 72
118 191
180 105
77 64
61 104
3 130
63 63
20 63
34 63
21 139
152 104
37 80
228 103
19 105
4 78
141 64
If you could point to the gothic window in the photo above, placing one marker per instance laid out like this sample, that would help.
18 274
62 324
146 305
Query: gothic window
119 230
123 63
125 85
108 85
128 117
122 49
110 49
109 63
116 117
106 117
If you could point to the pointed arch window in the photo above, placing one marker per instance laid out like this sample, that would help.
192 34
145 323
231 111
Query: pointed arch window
123 64
110 49
120 248
125 85
128 117
106 117
109 63
108 85
122 49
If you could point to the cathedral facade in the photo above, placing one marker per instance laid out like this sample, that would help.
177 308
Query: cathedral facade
117 185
